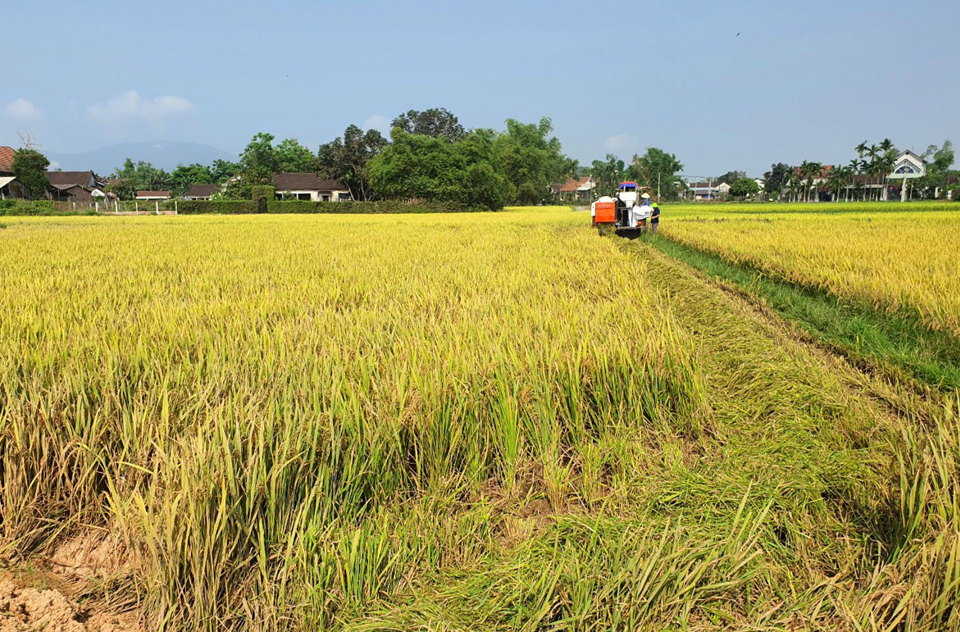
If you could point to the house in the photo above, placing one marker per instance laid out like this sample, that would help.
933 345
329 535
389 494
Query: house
908 166
6 161
74 186
577 189
817 191
825 171
869 183
201 191
152 196
309 186
10 187
708 191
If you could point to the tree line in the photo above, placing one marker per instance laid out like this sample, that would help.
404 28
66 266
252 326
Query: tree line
864 177
429 155
655 168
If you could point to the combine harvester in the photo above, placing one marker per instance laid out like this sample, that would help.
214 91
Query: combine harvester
623 213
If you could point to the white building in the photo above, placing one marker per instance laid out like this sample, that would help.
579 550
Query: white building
309 186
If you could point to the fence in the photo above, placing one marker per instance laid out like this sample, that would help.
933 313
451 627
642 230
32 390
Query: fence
121 207
229 207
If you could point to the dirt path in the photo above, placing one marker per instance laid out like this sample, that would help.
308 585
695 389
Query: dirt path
75 589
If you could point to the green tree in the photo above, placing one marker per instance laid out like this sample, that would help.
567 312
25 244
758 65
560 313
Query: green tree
435 122
775 180
873 167
658 170
744 187
139 176
30 168
838 179
853 170
810 171
347 158
292 157
223 170
432 168
484 183
887 158
185 175
730 177
795 185
608 173
258 163
940 159
531 159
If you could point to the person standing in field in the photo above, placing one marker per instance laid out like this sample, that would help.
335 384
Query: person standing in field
640 210
655 218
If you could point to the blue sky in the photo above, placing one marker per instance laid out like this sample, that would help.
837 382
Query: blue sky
803 80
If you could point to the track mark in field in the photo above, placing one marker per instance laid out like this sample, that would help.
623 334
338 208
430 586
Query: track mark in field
892 345
892 388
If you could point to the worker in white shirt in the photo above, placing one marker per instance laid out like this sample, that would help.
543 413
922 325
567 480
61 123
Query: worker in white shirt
641 211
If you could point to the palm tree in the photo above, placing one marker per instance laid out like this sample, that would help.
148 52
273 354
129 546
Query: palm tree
793 185
802 175
852 169
839 178
873 153
888 159
810 170
849 175
861 149
796 187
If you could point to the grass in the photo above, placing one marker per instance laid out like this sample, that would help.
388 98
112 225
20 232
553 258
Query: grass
497 422
897 341
894 260
748 210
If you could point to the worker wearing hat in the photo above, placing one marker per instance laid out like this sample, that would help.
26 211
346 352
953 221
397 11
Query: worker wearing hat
642 209
655 218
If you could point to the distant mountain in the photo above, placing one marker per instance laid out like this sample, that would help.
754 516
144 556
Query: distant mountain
161 154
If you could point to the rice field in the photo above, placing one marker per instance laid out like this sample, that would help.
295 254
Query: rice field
893 260
483 422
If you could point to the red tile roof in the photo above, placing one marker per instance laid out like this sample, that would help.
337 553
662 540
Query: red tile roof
824 171
153 194
573 184
6 159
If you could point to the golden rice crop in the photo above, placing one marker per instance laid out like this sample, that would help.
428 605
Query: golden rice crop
241 397
894 260
484 421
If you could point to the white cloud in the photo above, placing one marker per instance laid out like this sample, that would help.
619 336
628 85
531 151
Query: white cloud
618 143
23 111
377 122
130 106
